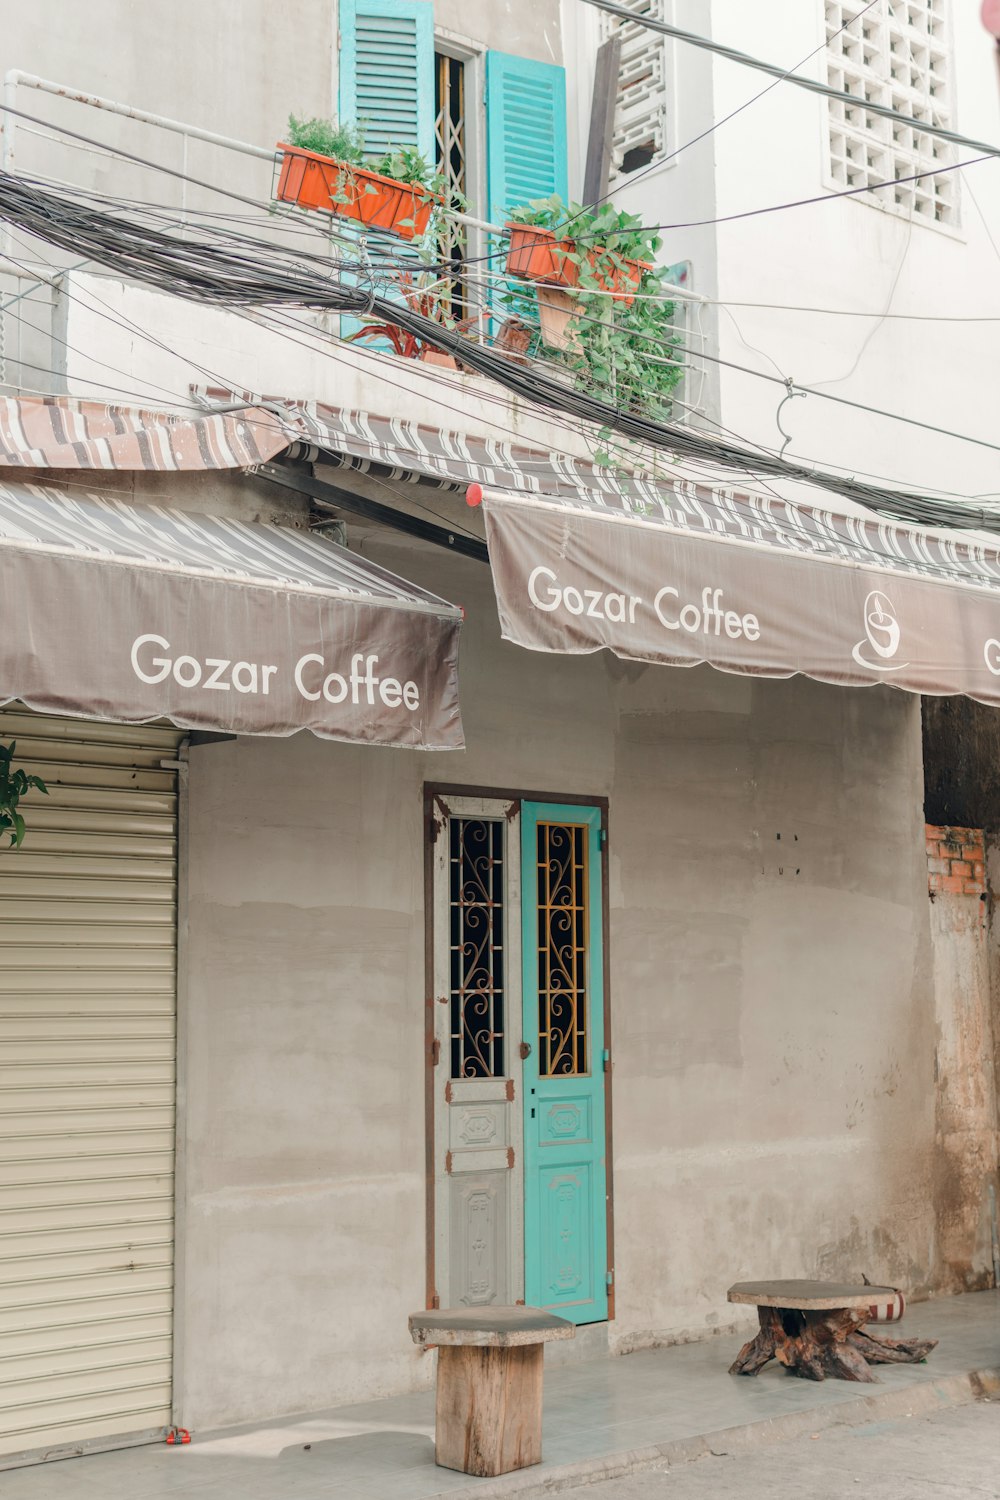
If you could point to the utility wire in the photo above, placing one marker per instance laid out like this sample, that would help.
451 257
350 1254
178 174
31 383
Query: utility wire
247 243
717 124
216 276
854 101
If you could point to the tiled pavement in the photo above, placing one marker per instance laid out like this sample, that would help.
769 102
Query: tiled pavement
598 1414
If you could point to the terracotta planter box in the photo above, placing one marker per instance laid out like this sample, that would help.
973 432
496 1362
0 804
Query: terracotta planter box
336 187
536 255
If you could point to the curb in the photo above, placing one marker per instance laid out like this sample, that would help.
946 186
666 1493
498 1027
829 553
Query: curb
914 1401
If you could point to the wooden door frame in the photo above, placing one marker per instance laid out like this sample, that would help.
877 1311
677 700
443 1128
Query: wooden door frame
435 800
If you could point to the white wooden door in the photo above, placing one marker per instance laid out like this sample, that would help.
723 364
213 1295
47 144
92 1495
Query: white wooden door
478 1114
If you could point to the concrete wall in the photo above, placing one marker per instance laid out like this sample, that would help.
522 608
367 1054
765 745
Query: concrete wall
234 67
775 1016
854 256
966 1119
773 1030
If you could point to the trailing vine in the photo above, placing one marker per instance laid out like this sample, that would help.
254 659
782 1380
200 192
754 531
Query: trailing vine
628 354
14 784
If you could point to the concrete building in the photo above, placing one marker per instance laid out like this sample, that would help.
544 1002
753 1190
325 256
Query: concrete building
253 1117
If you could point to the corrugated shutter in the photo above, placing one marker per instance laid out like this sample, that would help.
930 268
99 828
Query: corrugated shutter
88 910
525 131
387 72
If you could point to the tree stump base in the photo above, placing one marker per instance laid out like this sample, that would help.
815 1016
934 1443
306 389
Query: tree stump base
815 1344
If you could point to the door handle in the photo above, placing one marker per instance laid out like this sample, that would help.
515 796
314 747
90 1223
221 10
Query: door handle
525 1050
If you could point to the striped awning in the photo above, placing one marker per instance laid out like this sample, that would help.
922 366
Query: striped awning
762 588
62 432
395 448
761 584
131 614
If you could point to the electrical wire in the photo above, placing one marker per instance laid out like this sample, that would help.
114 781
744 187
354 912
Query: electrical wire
707 501
746 467
215 276
265 212
634 177
813 85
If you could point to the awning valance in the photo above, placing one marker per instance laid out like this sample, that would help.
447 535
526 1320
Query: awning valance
750 584
131 614
66 432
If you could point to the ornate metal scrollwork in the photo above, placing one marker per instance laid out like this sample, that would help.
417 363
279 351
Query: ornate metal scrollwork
562 949
476 896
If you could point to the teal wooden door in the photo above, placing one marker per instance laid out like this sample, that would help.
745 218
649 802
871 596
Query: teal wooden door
565 1175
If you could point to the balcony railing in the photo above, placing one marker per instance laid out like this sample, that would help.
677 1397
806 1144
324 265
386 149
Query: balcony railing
191 177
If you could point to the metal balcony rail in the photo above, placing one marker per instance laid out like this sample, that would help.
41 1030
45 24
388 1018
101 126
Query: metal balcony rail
196 183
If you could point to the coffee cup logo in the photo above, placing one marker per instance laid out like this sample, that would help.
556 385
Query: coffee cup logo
882 635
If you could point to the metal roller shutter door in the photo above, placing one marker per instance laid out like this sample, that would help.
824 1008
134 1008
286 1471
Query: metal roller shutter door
88 969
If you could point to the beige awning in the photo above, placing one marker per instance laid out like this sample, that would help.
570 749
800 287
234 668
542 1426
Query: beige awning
751 585
131 614
66 432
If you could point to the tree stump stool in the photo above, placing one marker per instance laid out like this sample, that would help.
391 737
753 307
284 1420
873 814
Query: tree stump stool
488 1416
813 1328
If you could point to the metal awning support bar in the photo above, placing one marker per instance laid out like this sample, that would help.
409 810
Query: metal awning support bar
17 76
332 497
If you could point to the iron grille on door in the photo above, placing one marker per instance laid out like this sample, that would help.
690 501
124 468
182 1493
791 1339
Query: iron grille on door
476 862
562 950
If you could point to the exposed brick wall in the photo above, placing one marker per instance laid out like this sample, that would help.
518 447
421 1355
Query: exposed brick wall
956 860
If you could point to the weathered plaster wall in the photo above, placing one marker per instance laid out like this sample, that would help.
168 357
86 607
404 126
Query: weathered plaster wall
966 1123
774 1023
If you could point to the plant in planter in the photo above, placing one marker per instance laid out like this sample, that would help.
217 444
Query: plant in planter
324 166
623 347
424 297
608 250
14 783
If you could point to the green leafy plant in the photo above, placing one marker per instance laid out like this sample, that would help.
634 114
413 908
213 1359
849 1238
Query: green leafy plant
345 142
14 784
606 232
629 355
426 295
404 164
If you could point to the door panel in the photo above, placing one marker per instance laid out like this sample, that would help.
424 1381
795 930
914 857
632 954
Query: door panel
565 1212
478 1165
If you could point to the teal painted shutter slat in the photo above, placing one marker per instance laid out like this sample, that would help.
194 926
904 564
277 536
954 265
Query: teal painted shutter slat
387 71
525 131
387 81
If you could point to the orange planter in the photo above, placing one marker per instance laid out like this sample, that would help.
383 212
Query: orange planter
536 255
336 187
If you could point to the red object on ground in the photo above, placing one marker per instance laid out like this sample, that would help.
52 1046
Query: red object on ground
178 1435
336 187
474 495
887 1309
536 255
990 13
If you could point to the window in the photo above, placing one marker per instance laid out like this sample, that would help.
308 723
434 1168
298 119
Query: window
641 108
385 71
451 144
476 885
895 54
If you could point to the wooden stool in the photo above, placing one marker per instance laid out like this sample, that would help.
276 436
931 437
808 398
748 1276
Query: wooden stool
814 1329
488 1418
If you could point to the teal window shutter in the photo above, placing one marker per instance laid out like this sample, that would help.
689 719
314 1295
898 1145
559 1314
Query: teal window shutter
525 132
387 72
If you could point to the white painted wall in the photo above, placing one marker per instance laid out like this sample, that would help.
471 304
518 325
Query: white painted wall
773 1014
851 255
774 1018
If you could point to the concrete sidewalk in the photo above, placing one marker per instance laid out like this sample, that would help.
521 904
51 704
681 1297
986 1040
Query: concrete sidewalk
602 1418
